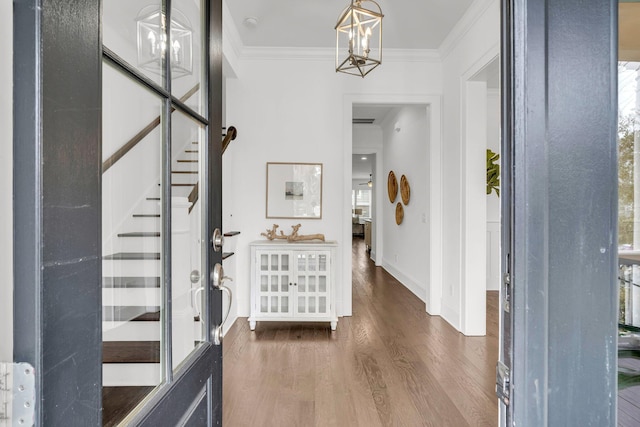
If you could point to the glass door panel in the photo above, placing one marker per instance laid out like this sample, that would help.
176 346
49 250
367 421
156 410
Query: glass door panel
188 283
187 51
628 211
133 30
131 242
275 284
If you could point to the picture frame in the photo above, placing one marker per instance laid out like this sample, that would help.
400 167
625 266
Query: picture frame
294 190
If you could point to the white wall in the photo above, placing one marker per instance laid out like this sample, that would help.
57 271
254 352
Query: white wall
493 201
367 137
291 110
6 182
471 45
406 246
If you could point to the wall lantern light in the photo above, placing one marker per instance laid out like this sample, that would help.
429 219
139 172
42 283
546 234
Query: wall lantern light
359 38
152 42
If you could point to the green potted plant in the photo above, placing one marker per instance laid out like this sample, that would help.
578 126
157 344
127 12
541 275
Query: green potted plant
493 172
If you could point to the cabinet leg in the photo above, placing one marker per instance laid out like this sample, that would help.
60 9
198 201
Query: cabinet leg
252 325
334 324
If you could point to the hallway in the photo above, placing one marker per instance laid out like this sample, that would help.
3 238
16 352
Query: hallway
388 364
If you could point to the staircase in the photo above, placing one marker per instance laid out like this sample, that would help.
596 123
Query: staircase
132 268
131 285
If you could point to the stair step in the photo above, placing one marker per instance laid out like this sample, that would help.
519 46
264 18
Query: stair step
190 172
130 282
140 234
187 161
191 151
130 374
153 198
131 352
146 215
135 256
182 185
226 255
231 233
194 142
137 297
130 314
131 331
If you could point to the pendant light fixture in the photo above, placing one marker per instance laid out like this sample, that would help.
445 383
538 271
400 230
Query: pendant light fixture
359 38
153 45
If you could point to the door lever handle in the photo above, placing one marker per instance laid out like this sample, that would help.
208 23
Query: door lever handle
217 280
217 332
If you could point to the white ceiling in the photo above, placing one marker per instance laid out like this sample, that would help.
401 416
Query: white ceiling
407 24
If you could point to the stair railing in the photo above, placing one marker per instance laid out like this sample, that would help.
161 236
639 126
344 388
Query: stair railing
122 151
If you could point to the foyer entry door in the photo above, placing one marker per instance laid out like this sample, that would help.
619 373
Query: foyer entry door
559 213
118 193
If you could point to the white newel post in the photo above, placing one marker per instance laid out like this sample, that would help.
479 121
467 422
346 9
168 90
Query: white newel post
182 319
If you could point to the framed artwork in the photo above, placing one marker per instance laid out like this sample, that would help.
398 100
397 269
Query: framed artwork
294 190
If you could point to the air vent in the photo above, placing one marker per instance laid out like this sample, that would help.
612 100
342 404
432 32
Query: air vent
363 121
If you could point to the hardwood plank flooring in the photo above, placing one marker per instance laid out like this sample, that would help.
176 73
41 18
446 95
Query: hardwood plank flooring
390 364
117 402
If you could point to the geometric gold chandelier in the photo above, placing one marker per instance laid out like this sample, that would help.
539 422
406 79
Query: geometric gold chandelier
359 38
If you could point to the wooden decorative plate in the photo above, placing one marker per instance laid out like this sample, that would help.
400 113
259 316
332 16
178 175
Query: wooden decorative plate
399 213
405 190
392 187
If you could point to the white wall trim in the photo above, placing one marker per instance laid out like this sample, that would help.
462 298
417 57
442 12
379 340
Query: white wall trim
462 27
473 227
6 182
409 282
433 293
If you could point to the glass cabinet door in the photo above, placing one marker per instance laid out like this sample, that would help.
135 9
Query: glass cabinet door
312 278
274 283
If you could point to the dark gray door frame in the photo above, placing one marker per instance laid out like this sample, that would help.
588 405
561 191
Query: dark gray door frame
57 116
560 210
57 220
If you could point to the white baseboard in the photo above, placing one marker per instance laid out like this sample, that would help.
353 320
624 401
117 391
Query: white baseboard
410 283
451 316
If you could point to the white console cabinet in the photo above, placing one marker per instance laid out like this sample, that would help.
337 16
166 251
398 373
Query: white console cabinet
293 282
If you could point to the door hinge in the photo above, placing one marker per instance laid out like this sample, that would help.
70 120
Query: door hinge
17 394
506 294
506 286
503 382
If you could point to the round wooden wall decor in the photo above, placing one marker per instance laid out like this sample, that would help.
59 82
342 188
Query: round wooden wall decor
405 191
392 187
399 213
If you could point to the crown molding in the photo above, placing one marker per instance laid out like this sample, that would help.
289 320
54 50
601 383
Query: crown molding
462 27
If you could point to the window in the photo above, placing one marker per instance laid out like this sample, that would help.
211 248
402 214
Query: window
361 199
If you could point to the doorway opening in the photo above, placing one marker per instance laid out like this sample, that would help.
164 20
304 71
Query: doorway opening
425 209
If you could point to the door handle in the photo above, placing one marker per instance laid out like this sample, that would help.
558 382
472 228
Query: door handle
195 292
217 280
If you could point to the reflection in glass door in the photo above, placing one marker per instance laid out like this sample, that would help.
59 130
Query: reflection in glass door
153 198
629 214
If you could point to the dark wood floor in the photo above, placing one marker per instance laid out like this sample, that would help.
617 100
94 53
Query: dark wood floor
390 364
